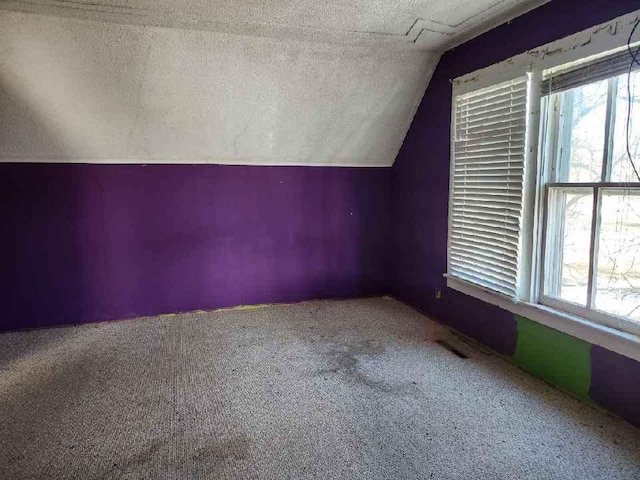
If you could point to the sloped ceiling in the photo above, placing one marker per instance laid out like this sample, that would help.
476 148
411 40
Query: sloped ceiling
228 81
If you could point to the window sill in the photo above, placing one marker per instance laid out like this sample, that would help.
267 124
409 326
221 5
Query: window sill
617 341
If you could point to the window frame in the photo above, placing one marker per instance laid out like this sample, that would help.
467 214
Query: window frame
583 47
550 158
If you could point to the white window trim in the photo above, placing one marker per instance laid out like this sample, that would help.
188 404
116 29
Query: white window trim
582 47
615 340
578 48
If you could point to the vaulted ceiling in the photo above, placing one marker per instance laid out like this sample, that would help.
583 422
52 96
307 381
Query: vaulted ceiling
426 24
268 82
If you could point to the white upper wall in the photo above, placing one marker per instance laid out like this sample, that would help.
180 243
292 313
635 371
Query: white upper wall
272 83
88 91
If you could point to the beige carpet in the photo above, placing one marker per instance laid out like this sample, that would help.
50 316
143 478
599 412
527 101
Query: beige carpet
348 389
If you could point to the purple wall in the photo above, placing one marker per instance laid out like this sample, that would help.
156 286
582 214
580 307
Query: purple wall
421 177
615 383
85 243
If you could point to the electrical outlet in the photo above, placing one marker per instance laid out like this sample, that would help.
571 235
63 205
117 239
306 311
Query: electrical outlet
438 294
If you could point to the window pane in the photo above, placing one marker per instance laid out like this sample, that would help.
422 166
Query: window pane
568 244
621 169
618 280
583 132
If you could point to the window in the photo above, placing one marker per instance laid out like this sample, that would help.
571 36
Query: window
592 210
544 199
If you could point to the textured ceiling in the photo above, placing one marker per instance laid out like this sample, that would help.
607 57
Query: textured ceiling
424 24
86 91
262 82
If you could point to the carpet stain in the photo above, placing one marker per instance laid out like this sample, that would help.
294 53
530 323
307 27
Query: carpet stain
212 450
149 454
217 450
346 360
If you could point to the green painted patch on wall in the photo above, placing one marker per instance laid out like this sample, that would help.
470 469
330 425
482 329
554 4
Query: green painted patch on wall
558 358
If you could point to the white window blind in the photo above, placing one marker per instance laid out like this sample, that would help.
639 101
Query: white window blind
601 69
487 185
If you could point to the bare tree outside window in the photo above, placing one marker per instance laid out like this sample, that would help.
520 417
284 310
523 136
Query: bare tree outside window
584 252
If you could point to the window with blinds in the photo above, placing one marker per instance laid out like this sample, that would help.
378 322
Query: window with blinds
601 69
487 186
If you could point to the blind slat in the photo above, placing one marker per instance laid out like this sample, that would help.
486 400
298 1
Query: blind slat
489 96
484 115
483 134
497 122
492 272
496 241
489 222
499 101
493 140
456 251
